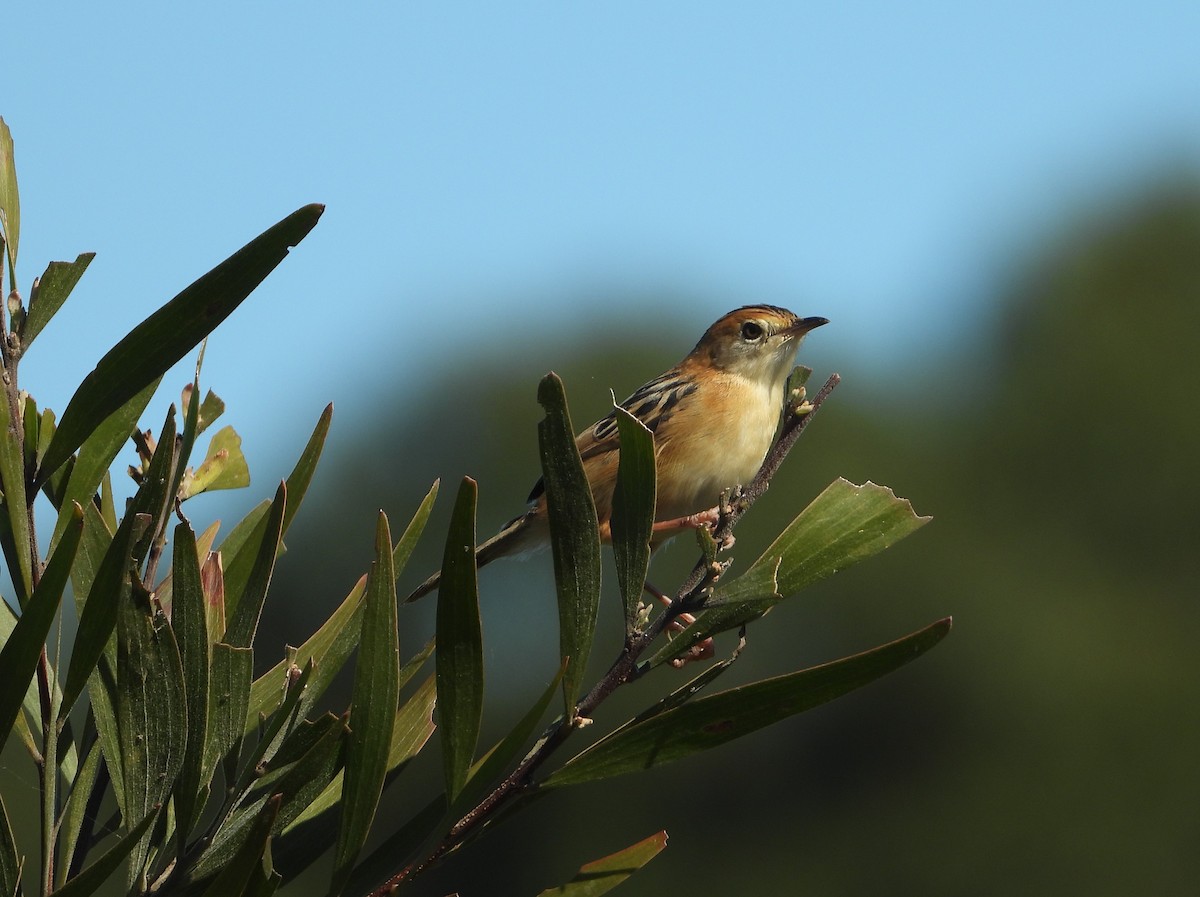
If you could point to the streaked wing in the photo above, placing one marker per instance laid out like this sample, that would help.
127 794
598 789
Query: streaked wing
652 404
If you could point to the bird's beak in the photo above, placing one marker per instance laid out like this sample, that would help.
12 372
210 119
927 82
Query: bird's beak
804 325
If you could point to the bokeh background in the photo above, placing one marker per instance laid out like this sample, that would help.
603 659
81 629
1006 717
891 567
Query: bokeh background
999 209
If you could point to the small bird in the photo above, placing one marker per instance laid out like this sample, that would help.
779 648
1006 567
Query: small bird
713 416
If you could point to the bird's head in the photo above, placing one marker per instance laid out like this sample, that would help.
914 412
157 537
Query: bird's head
756 341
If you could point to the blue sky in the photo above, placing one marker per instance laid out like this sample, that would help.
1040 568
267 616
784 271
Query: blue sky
486 164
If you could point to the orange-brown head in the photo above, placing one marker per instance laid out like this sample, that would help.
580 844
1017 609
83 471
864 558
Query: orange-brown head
755 341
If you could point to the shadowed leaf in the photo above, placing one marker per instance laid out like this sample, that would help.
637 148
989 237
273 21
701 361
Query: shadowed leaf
601 876
19 656
574 535
90 879
151 710
460 644
190 621
633 510
373 709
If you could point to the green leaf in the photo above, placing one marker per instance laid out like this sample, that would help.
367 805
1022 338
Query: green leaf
574 535
21 651
151 710
297 775
224 466
76 810
244 622
708 722
12 480
49 293
228 696
412 532
152 347
460 644
10 860
110 589
633 510
373 709
842 526
191 629
241 871
90 879
601 876
98 451
10 201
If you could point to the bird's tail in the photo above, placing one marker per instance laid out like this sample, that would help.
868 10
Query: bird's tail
517 536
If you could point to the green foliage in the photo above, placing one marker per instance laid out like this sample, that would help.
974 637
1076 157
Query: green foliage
227 784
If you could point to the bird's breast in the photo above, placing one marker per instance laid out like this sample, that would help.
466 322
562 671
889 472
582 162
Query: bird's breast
717 441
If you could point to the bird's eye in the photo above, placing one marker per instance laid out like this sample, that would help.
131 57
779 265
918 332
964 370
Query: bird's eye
752 331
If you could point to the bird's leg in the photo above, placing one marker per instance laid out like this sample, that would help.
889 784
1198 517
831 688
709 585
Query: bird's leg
706 518
700 651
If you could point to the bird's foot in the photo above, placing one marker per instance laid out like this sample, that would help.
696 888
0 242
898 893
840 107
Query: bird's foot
700 651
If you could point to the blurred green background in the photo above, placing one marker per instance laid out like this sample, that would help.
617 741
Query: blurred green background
1048 746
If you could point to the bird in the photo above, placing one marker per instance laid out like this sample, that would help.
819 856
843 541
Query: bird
714 416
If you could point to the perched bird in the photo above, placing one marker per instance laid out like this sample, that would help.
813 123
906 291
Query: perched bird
713 416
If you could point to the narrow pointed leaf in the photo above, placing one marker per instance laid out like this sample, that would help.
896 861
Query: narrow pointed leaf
460 645
373 709
19 656
94 876
842 526
152 347
706 723
574 535
110 588
75 811
151 710
10 199
601 876
244 621
633 510
12 481
412 532
228 696
52 290
190 621
98 451
10 860
239 872
294 778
